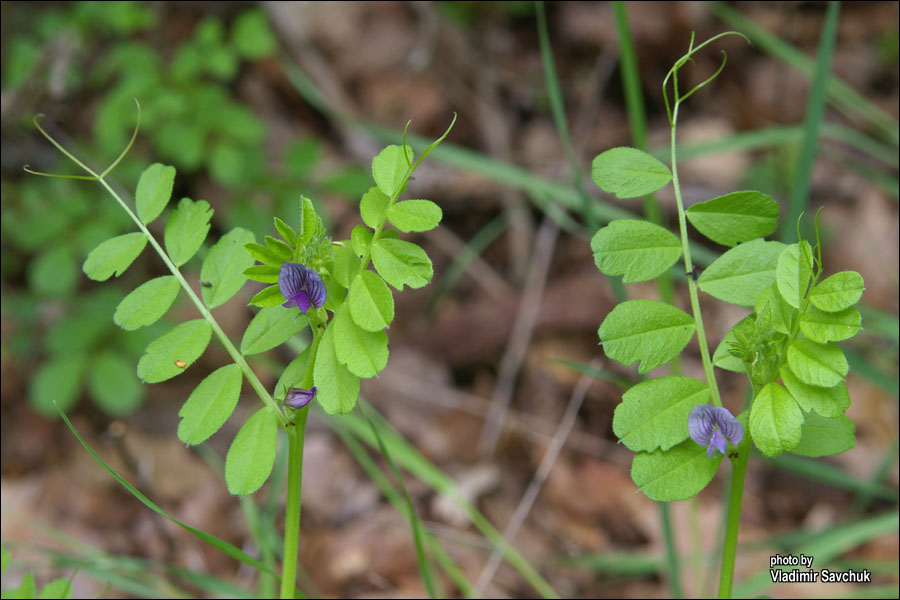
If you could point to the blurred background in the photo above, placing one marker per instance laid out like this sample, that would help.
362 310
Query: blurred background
257 103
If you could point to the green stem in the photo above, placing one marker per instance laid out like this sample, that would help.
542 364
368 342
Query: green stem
729 552
296 436
689 268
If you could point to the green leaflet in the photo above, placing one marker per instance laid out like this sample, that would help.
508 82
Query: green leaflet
646 330
654 413
267 255
346 264
267 297
147 303
58 380
389 168
838 292
824 327
365 353
271 327
401 263
224 265
415 215
154 189
170 354
371 302
775 420
772 308
825 437
210 405
337 386
186 229
738 276
736 217
822 365
310 223
629 173
722 357
251 455
829 402
54 272
114 256
292 376
794 273
638 250
360 240
262 273
286 232
373 207
113 385
675 474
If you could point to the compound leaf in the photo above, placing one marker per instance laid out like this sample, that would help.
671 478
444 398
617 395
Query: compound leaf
271 327
629 173
646 330
147 303
637 250
371 302
654 414
114 256
775 420
210 405
674 474
736 217
841 290
251 455
224 265
186 229
822 365
171 353
154 189
738 276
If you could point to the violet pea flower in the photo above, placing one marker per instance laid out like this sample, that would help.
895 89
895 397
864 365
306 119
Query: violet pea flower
301 287
299 397
712 425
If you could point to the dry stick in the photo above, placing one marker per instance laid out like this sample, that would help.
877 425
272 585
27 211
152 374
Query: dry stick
478 270
534 488
521 335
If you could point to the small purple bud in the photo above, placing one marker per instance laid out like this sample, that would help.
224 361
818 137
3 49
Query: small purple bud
712 425
300 286
298 397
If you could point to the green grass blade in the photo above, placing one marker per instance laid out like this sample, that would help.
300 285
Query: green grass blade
412 460
815 109
387 489
845 98
415 523
212 540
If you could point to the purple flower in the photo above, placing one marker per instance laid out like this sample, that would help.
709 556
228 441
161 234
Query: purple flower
300 286
298 397
712 425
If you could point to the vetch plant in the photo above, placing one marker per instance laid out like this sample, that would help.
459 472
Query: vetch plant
317 284
677 426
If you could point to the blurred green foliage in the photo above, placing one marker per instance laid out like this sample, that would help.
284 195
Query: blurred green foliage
191 118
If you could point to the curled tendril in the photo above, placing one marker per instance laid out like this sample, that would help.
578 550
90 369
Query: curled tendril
93 176
673 72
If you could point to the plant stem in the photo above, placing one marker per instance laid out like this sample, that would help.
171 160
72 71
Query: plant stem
296 436
689 268
736 497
